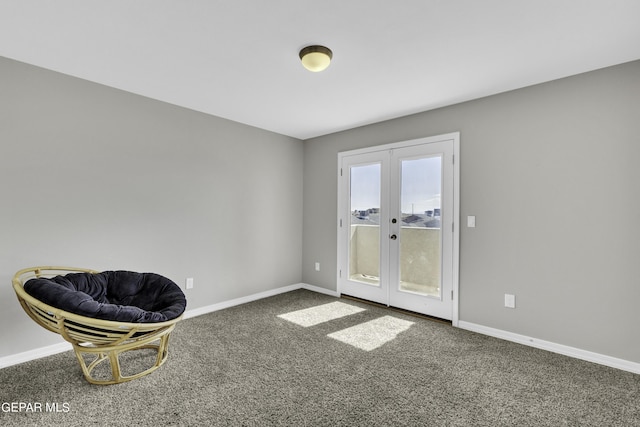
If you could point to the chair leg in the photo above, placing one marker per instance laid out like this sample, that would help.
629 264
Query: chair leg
163 350
87 368
83 363
115 366
112 355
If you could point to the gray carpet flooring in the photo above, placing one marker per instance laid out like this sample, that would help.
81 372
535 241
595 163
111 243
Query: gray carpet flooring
245 366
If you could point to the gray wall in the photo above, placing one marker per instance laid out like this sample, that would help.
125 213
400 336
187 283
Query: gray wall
551 173
95 177
99 178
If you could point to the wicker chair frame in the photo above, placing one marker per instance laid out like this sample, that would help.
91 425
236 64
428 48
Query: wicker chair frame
95 339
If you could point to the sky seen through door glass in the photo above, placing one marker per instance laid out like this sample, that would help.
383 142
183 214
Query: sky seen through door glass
421 183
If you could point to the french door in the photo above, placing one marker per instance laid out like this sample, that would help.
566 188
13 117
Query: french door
397 233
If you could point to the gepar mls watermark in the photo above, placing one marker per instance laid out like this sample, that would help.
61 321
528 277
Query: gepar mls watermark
62 407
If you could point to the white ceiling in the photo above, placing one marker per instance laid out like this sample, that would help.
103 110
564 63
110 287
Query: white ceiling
238 59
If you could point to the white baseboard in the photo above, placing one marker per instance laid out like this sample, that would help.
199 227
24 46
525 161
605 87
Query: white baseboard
15 359
577 353
26 356
319 290
237 301
243 300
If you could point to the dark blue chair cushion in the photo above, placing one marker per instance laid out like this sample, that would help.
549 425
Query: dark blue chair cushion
122 296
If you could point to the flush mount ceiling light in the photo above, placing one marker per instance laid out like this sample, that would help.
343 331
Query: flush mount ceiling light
316 58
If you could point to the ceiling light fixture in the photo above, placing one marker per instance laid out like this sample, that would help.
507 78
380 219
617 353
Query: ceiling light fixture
316 58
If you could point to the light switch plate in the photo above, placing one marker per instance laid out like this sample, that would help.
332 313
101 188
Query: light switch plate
509 301
471 221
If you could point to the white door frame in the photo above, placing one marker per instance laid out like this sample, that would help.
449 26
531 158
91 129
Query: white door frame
342 246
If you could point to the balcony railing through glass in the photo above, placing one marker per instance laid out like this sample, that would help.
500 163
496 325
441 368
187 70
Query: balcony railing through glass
420 258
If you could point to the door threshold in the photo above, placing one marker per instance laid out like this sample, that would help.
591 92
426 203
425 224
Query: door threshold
399 310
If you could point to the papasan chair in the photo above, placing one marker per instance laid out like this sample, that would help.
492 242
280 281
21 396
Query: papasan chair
103 314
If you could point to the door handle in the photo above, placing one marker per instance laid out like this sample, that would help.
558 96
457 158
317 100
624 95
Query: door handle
393 237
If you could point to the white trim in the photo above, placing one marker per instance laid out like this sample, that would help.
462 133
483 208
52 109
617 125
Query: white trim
266 294
238 301
319 290
341 239
402 144
576 353
37 353
455 277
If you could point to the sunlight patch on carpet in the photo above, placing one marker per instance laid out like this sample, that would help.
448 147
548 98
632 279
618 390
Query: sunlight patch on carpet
320 314
373 334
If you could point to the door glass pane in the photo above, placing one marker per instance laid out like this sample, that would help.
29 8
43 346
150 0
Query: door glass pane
364 240
420 229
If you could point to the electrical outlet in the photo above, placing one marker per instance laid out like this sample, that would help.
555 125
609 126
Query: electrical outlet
317 266
189 283
509 301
